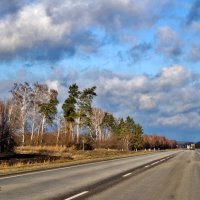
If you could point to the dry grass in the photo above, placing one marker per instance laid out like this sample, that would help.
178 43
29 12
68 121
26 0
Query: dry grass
65 157
50 150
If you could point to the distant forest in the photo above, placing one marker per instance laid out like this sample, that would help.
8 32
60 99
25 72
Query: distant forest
31 117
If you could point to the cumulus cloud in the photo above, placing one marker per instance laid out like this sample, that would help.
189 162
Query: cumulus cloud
168 42
49 30
170 93
113 14
33 34
168 99
7 7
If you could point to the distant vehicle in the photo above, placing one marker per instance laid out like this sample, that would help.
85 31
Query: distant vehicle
188 147
192 146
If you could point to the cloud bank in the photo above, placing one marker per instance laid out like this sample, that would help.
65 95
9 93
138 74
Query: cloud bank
49 30
169 99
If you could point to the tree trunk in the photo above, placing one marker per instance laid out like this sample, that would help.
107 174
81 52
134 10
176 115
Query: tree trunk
66 133
100 133
71 131
78 130
42 130
10 113
32 128
23 133
38 134
23 125
58 135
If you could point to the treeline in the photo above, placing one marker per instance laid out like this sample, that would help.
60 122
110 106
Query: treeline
31 117
158 142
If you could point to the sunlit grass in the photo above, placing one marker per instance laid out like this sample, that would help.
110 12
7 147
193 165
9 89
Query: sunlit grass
65 157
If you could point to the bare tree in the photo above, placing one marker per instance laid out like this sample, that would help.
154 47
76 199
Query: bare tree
21 95
60 124
8 124
96 118
39 96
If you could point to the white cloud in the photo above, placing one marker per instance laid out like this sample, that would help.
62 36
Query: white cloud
169 99
168 42
53 84
147 102
57 27
172 76
28 28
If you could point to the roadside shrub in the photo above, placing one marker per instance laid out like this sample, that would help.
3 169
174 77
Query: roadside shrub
7 142
86 143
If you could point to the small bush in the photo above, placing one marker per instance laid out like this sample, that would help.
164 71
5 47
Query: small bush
7 142
86 144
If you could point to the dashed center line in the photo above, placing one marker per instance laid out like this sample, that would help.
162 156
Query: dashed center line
157 162
127 175
77 195
154 163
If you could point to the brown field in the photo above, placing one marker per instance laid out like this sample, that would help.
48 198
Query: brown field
31 158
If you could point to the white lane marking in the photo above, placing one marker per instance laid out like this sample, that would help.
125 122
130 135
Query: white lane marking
60 168
127 175
77 195
154 163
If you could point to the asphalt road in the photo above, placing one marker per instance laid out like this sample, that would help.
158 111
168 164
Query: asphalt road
77 181
176 179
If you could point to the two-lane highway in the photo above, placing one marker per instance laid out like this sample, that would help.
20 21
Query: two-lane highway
67 181
177 179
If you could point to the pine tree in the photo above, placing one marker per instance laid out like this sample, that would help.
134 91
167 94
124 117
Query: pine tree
137 137
69 109
48 110
85 109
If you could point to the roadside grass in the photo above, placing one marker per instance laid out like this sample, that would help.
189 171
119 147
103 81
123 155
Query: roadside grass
62 156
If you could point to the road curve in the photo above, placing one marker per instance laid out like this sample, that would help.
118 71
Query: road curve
177 179
65 182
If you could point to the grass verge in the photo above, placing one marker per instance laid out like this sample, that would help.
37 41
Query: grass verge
62 157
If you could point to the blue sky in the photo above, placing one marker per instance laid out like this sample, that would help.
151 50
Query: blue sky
143 56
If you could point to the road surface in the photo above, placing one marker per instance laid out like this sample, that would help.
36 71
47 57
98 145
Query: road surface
81 180
176 179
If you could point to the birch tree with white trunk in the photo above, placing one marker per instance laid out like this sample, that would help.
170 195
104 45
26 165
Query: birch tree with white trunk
21 96
96 118
39 96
